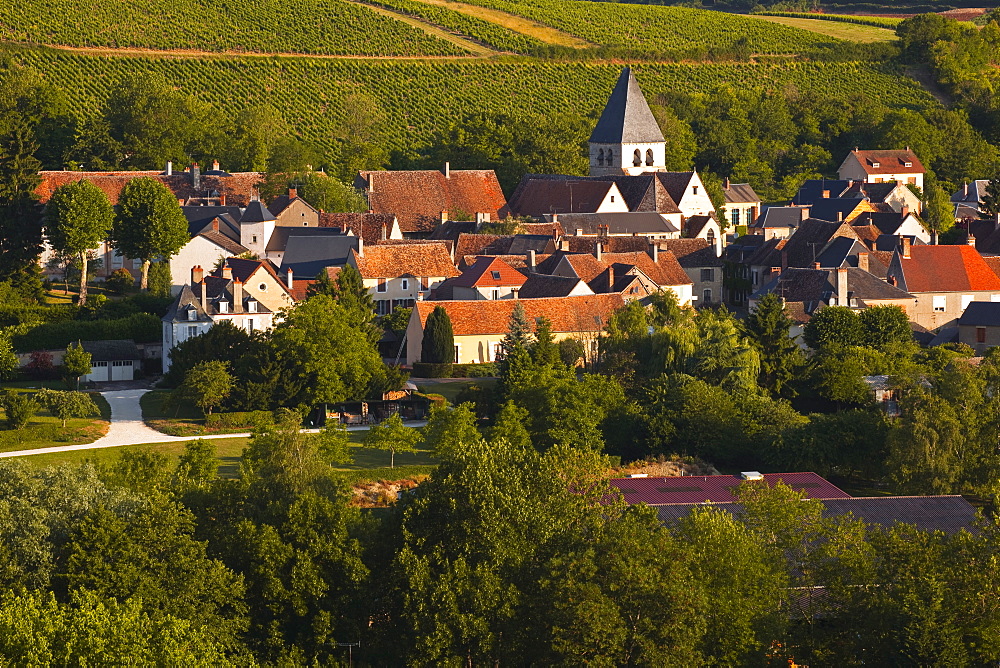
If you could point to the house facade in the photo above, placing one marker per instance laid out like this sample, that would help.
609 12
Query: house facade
742 204
402 274
883 166
979 326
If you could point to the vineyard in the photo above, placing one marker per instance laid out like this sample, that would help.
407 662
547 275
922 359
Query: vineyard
420 98
482 31
294 26
657 28
876 21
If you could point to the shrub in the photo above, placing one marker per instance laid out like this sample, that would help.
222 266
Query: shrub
119 282
140 327
427 370
19 407
485 370
40 366
239 420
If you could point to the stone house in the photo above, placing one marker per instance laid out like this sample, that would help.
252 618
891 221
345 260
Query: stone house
979 326
881 166
401 275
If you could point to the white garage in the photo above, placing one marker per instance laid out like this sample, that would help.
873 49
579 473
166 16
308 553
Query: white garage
112 360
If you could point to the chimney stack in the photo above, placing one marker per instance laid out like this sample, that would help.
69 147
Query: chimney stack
965 187
816 265
170 170
293 193
222 199
447 170
289 279
237 296
204 295
385 232
361 247
826 194
530 260
444 216
840 216
555 232
227 272
863 261
579 231
904 242
905 211
599 251
654 251
197 274
195 176
215 224
215 165
725 184
842 286
972 239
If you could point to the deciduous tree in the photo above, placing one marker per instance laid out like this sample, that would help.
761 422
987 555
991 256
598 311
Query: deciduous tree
769 326
67 404
78 217
394 436
149 224
207 384
76 362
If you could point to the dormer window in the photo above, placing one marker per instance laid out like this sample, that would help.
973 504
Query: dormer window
192 314
496 275
876 164
907 164
223 306
251 306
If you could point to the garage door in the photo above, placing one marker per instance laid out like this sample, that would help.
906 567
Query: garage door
98 372
121 370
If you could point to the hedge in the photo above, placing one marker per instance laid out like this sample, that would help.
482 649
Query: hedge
239 420
427 370
12 316
140 327
486 370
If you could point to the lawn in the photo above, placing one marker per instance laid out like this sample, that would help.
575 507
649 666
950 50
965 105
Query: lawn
184 419
45 430
849 31
450 388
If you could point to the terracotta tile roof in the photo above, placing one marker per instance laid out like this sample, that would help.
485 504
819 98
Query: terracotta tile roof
890 162
993 262
488 272
691 253
589 313
238 188
808 242
539 197
555 230
367 226
716 488
224 242
301 286
475 244
417 198
946 269
609 244
868 234
390 261
516 261
666 271
587 267
648 192
542 285
740 193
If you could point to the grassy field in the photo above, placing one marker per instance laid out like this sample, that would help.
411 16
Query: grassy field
44 430
451 389
846 31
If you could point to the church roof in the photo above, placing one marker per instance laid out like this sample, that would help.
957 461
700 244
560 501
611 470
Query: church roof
626 118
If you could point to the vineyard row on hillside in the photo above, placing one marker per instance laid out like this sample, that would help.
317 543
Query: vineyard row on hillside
876 21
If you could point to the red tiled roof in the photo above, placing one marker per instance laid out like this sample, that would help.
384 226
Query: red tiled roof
538 197
666 271
237 188
554 229
475 244
716 488
947 269
366 226
481 274
587 244
417 198
890 162
589 313
390 261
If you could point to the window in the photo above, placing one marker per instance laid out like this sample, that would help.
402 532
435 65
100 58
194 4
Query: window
458 353
496 294
636 159
876 165
707 275
380 287
251 306
966 300
496 275
940 303
117 260
649 157
755 276
383 306
694 190
223 307
250 325
612 198
980 335
305 223
710 237
912 180
735 215
907 164
262 287
192 330
707 297
405 283
608 157
192 314
600 157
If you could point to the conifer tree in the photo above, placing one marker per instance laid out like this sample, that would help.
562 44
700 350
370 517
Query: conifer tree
545 352
20 222
768 327
438 346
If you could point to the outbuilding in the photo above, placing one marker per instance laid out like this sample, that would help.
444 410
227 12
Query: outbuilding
112 360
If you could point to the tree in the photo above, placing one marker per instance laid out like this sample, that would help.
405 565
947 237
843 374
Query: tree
19 409
76 363
438 345
990 206
149 224
325 353
160 280
78 217
223 342
545 351
939 212
833 325
394 436
207 384
360 135
327 193
768 327
119 281
9 363
68 404
571 351
883 326
20 222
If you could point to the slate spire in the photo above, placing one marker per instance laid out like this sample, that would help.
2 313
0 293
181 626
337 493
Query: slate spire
626 118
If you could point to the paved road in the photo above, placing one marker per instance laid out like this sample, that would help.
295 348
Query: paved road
127 428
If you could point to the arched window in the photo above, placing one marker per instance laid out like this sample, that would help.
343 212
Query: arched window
649 157
637 159
711 237
600 157
610 157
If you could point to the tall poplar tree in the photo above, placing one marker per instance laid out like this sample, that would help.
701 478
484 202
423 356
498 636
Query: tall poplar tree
438 346
149 223
78 218
20 221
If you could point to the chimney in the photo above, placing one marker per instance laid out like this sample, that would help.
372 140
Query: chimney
227 272
204 295
564 245
222 199
237 296
170 170
215 224
293 193
816 265
385 232
840 216
215 165
904 242
784 259
603 231
905 211
195 176
863 261
361 247
965 187
197 274
530 260
654 252
444 216
579 231
555 218
826 194
725 184
599 251
842 286
555 232
972 239
289 279
447 170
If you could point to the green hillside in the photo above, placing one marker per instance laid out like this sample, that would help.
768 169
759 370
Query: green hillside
292 26
420 98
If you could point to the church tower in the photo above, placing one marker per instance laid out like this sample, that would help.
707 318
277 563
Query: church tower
627 139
